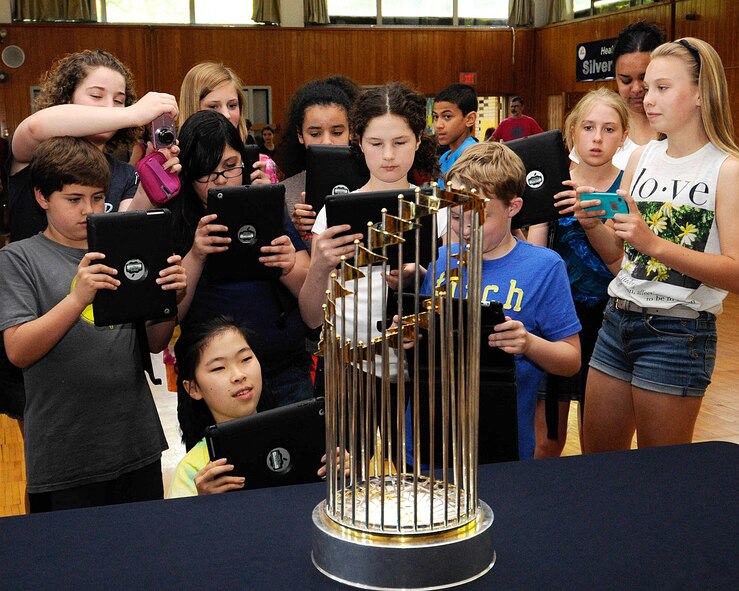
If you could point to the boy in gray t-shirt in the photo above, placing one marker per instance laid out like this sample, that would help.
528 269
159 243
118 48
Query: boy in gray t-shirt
92 433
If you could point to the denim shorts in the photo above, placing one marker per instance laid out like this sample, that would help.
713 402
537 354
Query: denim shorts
657 353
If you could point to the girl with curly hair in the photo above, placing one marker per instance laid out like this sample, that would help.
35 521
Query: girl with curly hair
86 94
318 114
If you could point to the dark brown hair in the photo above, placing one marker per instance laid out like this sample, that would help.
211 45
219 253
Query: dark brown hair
61 161
402 101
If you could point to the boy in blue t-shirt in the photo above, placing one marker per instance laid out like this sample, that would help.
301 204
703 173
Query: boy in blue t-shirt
541 328
455 114
92 432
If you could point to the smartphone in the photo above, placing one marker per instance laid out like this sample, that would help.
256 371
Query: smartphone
612 203
251 157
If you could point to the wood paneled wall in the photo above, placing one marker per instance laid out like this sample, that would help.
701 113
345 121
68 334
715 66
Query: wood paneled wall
717 22
534 63
282 58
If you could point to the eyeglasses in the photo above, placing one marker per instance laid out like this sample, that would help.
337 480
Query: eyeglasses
227 173
693 51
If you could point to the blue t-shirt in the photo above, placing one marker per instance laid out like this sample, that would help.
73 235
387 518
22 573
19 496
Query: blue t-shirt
531 283
448 158
589 276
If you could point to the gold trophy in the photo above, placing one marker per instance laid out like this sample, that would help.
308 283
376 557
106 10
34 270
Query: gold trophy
388 521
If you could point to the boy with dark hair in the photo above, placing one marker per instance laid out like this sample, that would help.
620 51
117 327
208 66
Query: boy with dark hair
92 433
455 114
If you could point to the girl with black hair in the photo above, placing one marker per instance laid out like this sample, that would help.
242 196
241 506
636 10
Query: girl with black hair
318 114
212 155
631 58
220 379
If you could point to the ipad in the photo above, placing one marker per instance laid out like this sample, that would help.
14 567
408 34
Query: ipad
491 313
498 431
136 244
255 216
274 447
331 170
251 156
356 209
547 165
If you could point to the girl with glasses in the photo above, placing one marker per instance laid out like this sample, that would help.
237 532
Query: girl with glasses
211 153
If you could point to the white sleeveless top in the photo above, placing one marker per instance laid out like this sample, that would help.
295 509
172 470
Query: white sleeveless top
677 199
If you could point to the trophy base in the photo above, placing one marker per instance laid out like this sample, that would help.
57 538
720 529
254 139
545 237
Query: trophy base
429 561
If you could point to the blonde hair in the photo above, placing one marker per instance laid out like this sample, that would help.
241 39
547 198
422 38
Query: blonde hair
603 96
492 168
200 81
708 74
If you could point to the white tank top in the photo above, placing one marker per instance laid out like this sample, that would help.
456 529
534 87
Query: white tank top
677 199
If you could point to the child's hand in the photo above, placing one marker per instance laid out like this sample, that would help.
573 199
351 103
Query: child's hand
588 219
209 480
394 277
327 248
152 105
259 176
174 277
172 165
511 336
347 464
407 341
631 227
205 244
280 253
91 277
303 217
566 200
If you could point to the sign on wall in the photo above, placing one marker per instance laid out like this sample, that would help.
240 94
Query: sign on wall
595 60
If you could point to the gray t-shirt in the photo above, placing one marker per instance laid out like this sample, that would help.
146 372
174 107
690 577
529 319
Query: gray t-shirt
89 414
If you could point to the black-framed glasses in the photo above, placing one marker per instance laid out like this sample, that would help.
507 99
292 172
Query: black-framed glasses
226 173
693 51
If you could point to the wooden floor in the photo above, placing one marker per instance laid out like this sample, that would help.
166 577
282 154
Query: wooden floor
718 419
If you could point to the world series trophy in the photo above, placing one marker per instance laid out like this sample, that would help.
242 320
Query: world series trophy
389 521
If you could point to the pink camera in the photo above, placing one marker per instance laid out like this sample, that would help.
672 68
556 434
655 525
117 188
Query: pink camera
270 168
159 184
163 134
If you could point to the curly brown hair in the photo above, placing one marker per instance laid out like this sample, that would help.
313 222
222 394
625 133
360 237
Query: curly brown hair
60 81
396 98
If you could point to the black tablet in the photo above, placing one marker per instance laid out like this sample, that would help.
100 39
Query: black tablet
498 427
136 244
251 157
331 170
274 447
255 216
547 165
491 314
357 209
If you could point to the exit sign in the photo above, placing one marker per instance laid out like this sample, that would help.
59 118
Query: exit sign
468 78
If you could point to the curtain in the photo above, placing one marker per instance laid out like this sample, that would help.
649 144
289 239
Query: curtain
266 11
54 10
560 10
315 12
520 13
